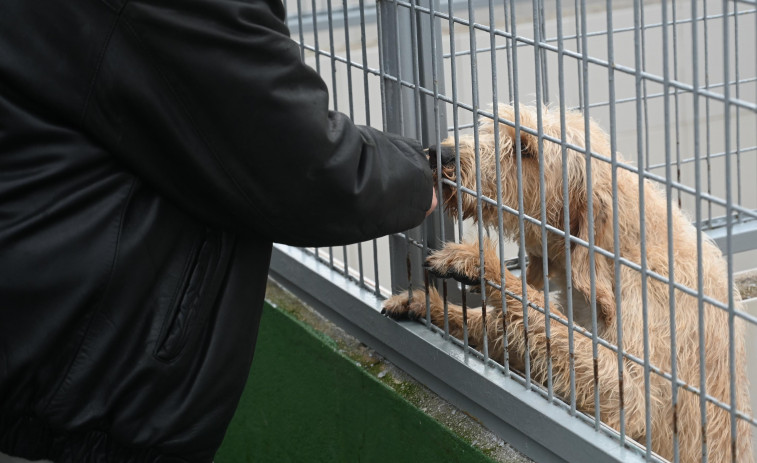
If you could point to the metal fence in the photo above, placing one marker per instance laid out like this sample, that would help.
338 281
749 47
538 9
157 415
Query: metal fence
674 86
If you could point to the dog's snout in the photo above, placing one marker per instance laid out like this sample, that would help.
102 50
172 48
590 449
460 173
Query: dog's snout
447 155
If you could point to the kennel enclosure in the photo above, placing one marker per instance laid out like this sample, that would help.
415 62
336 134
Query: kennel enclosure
673 83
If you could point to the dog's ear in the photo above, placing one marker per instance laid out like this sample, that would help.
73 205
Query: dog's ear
604 275
529 143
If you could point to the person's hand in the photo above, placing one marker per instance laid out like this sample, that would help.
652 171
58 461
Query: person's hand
433 203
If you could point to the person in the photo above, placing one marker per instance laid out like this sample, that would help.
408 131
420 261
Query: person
150 153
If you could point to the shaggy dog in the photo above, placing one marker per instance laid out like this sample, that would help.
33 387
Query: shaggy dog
462 262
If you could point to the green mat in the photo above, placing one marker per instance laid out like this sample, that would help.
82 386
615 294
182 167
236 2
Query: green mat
305 402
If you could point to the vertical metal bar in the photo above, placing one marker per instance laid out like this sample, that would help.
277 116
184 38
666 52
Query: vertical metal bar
335 99
347 47
416 67
456 135
578 15
316 43
299 27
479 194
376 273
729 225
645 97
671 252
348 55
566 207
521 210
437 141
498 178
590 212
332 56
401 37
418 131
676 98
642 225
317 48
615 217
381 23
538 63
543 52
708 149
737 78
413 16
508 54
367 102
699 218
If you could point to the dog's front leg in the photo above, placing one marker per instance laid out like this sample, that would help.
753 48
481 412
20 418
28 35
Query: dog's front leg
404 307
462 262
401 306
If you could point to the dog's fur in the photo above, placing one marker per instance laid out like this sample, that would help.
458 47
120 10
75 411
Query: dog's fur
462 261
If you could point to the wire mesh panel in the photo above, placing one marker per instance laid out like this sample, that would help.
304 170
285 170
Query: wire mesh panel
596 162
338 39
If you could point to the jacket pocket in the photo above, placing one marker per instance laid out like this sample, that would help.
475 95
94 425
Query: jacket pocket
198 292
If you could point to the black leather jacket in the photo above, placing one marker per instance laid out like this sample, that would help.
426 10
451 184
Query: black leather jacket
150 153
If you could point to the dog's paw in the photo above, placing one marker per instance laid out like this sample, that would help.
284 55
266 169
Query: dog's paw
459 261
402 307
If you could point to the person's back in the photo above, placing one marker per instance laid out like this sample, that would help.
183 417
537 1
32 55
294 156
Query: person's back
148 159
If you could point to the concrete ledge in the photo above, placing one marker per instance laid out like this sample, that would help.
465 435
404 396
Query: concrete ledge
746 282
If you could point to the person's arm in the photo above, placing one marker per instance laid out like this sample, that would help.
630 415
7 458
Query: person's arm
208 101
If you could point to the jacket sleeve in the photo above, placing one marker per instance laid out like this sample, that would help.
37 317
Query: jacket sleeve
208 101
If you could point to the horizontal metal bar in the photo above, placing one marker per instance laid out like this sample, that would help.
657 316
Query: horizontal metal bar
522 417
353 15
614 31
710 157
743 236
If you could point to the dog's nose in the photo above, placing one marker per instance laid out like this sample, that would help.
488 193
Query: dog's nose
448 155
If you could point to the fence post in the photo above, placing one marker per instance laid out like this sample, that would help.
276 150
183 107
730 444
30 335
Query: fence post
407 63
